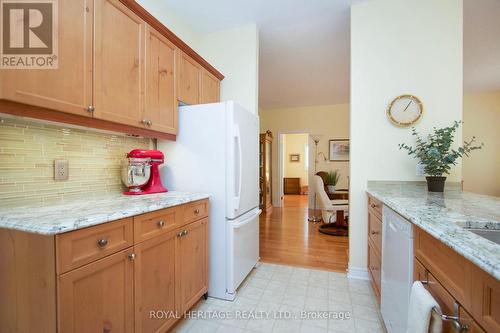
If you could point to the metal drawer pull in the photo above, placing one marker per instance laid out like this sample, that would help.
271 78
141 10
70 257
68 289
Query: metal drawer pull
185 233
455 320
131 257
102 242
373 232
373 205
161 224
197 211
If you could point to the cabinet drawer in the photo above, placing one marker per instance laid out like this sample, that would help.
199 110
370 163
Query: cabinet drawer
374 268
80 247
375 206
375 231
451 269
152 224
195 211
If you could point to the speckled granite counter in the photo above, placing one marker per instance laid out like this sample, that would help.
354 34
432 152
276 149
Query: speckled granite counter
67 216
447 217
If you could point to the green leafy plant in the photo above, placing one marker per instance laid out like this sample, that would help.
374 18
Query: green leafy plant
332 177
436 153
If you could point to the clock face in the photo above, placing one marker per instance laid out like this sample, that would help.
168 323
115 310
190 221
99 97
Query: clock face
405 110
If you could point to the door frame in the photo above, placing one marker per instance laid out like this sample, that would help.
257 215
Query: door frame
278 200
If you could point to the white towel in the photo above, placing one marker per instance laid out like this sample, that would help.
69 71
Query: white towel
420 311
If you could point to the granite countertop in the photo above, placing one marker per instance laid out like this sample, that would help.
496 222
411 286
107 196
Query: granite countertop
73 215
446 216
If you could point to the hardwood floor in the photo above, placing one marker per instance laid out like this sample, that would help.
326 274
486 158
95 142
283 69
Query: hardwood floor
286 237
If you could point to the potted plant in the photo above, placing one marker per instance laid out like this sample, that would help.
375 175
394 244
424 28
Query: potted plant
436 154
332 178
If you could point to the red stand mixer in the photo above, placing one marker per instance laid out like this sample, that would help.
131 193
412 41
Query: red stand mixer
140 172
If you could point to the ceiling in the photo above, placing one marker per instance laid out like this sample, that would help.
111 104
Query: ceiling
481 45
304 45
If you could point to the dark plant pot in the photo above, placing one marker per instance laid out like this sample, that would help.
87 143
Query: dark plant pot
435 184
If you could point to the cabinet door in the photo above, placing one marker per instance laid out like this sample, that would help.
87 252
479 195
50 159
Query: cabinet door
69 87
193 259
98 297
119 63
209 88
161 102
155 283
189 80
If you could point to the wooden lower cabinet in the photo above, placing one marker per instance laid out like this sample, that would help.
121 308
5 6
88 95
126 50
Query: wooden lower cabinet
98 297
456 283
156 266
375 244
193 272
143 288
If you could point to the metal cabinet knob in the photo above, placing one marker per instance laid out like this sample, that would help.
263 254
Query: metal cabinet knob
131 256
161 224
102 242
373 205
185 233
149 123
180 234
90 109
373 232
197 211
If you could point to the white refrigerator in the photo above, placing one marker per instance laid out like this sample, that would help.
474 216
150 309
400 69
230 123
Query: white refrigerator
217 152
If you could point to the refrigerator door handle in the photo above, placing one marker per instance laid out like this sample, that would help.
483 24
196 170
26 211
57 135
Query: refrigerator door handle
237 138
246 221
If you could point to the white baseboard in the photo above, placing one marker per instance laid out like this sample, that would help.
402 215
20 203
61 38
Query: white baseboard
358 273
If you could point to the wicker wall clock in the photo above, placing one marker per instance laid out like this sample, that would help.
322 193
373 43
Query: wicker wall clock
405 110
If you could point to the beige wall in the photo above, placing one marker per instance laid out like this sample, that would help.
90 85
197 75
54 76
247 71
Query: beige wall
296 144
330 121
27 153
481 171
393 53
235 52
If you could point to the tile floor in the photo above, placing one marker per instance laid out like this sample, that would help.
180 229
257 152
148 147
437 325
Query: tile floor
292 293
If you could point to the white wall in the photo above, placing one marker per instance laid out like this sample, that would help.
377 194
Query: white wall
173 22
398 47
235 53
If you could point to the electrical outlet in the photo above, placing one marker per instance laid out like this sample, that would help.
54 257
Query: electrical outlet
420 169
61 170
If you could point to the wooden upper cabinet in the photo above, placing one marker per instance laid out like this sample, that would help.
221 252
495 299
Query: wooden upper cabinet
161 101
119 63
189 82
69 87
155 289
210 88
98 297
193 272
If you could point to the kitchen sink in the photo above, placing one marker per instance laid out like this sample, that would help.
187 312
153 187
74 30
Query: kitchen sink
492 235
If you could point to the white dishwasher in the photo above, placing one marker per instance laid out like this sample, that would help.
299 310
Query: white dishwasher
397 270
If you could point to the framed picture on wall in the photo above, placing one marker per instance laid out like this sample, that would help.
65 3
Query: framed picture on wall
294 157
339 150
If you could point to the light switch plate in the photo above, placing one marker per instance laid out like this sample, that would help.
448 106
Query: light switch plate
61 170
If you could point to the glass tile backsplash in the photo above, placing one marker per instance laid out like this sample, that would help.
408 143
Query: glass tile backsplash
28 150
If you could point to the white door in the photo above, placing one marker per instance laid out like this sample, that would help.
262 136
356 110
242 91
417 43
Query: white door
242 161
243 248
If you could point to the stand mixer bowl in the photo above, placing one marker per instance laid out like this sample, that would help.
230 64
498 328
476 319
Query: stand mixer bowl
136 173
